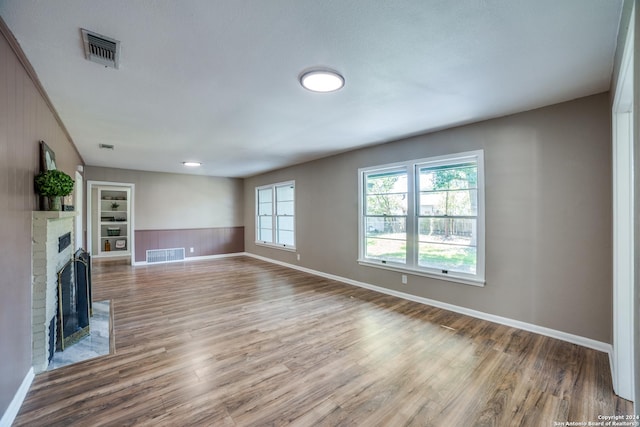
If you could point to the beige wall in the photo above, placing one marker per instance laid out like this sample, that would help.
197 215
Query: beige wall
25 118
548 216
175 201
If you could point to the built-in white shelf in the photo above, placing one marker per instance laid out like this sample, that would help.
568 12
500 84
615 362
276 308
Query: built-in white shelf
114 223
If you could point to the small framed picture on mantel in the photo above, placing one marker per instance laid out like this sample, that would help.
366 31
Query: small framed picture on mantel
47 158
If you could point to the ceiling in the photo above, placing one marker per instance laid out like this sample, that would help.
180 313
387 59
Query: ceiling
217 81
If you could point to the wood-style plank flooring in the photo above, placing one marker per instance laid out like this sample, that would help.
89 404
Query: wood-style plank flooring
241 342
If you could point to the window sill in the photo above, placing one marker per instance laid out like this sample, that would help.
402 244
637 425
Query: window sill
272 246
452 277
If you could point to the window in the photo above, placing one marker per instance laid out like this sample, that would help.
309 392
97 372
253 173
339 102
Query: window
275 215
425 216
385 216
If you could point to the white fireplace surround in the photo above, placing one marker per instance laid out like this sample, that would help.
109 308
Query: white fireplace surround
47 228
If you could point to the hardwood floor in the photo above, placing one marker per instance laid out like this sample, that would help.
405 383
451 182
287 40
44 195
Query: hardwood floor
240 342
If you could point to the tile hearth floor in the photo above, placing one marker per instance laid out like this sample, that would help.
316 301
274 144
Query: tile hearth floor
93 345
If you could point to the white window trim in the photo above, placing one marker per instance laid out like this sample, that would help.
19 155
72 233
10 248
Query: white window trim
273 244
411 266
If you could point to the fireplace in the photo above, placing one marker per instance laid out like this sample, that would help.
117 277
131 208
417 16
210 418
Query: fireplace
52 248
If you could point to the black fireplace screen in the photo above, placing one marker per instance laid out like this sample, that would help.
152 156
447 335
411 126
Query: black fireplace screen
82 261
73 302
52 338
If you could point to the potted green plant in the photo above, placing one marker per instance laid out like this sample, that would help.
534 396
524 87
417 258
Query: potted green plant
54 184
114 206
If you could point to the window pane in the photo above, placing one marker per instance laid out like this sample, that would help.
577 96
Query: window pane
284 193
265 234
451 177
448 257
388 182
285 237
265 230
462 203
434 204
265 222
386 204
285 208
452 203
390 227
264 208
386 239
285 223
386 249
448 230
285 205
264 195
449 243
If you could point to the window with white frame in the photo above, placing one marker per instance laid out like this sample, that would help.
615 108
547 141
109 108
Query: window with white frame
425 216
275 215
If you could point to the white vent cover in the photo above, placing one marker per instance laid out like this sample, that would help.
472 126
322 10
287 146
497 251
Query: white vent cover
165 255
101 49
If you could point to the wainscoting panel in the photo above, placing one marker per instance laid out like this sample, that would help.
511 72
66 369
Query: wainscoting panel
204 241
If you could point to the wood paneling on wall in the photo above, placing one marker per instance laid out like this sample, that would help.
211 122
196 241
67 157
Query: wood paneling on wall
25 118
204 241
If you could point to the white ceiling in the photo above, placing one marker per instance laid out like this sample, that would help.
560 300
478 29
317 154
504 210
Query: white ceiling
217 80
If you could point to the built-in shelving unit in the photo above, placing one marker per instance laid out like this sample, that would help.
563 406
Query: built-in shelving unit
114 221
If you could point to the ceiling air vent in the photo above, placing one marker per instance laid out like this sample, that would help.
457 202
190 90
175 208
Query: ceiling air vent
101 49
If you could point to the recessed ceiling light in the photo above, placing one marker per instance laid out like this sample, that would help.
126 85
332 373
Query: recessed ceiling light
192 164
321 80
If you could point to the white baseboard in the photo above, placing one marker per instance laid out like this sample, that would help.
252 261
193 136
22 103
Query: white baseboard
14 407
564 336
193 258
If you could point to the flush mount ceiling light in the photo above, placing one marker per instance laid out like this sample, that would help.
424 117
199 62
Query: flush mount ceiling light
321 80
192 164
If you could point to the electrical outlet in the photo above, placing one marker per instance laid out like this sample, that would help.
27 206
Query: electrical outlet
298 257
191 250
404 279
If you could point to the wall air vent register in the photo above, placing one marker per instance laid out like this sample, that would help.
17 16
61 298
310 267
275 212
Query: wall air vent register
101 49
165 255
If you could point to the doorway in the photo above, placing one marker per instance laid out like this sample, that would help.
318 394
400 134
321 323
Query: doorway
110 220
623 225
